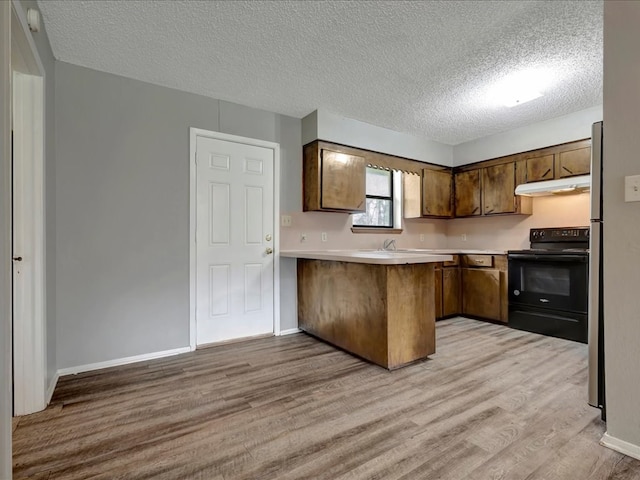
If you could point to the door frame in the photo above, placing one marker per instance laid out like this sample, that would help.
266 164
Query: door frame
28 104
194 133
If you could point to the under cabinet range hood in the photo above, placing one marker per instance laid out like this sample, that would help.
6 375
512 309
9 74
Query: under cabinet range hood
563 186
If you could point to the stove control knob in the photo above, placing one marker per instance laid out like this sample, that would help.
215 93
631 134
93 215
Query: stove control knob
542 233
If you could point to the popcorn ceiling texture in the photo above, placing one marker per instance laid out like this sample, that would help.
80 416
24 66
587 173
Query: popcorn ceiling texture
419 67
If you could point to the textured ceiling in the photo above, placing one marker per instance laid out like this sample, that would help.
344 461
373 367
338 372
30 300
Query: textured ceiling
420 67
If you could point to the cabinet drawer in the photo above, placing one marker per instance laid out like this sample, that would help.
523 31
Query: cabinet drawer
477 260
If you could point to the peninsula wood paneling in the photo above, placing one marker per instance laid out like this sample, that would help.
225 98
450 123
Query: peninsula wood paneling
378 312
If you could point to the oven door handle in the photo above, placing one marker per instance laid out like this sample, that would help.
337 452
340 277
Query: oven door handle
547 258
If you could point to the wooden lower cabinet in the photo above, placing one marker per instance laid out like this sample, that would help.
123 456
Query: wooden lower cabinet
437 288
478 288
448 301
451 298
481 292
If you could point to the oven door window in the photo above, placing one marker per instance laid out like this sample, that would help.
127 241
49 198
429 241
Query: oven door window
546 280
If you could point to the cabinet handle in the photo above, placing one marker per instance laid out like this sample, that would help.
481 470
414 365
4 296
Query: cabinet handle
546 173
489 211
475 210
565 168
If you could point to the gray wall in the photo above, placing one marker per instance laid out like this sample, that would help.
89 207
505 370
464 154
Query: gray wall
621 220
46 56
122 209
5 242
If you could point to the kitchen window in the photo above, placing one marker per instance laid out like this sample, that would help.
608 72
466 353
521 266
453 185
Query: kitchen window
383 208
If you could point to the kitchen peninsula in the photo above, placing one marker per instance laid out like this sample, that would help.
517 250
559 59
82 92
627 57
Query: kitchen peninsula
375 304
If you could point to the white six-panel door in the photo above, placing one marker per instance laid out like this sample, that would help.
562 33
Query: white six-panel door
234 240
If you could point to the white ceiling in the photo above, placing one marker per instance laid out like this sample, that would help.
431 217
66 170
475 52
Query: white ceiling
419 67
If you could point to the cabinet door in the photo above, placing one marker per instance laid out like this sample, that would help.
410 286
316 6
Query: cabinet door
467 193
411 195
436 193
438 291
451 301
481 292
540 168
498 187
574 162
343 179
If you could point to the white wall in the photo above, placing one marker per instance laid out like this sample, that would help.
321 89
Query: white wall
41 41
574 126
622 221
5 242
346 131
122 210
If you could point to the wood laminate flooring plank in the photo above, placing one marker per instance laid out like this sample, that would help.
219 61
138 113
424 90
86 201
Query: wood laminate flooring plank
492 403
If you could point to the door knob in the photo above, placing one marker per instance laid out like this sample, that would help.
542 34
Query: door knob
269 251
17 259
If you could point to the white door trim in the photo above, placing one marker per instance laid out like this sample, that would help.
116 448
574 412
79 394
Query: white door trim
193 134
29 331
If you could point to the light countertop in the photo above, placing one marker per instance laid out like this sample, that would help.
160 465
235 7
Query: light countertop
455 251
378 257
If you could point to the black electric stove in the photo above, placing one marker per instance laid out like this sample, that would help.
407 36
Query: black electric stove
548 283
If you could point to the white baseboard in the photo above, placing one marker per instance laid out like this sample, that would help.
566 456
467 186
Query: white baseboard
51 388
121 361
290 331
620 446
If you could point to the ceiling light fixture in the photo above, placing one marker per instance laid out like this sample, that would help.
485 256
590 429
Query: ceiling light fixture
520 87
520 98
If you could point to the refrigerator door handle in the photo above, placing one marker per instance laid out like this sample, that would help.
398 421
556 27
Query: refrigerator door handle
595 266
596 172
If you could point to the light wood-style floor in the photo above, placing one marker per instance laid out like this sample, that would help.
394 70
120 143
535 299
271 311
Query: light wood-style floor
492 403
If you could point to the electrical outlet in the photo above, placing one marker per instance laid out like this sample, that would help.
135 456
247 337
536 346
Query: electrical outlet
285 220
303 237
422 237
632 188
464 237
323 236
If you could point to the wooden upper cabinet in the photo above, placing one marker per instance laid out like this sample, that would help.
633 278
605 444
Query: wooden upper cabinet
467 193
573 162
411 196
436 193
343 181
559 161
498 187
333 181
540 168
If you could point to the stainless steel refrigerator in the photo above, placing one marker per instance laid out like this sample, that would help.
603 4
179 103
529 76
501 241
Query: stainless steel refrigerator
596 317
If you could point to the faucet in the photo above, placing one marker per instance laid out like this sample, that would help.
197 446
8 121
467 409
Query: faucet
389 244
